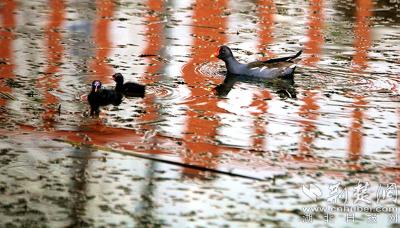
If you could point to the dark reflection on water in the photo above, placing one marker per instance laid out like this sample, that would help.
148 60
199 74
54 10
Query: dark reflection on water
79 182
339 117
227 85
284 88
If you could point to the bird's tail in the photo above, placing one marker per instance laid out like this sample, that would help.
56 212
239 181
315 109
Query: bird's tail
297 54
284 59
294 58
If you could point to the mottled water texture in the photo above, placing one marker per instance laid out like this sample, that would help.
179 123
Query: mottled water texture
199 150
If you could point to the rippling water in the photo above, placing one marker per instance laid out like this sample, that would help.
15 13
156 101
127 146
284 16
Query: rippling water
338 122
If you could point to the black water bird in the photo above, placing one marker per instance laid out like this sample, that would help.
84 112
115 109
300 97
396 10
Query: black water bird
273 68
128 89
99 96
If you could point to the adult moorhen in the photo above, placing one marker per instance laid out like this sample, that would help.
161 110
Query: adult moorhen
102 97
273 68
129 89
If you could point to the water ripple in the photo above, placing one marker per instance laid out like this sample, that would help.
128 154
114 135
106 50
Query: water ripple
211 69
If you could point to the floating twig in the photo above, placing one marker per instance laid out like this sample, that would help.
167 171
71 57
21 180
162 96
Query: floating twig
191 166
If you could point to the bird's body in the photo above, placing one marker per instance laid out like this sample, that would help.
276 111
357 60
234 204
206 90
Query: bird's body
273 68
102 97
128 89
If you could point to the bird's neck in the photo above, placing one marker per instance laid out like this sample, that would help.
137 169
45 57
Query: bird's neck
119 85
94 90
232 65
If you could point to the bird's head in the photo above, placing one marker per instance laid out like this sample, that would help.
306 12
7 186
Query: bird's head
118 78
96 85
223 53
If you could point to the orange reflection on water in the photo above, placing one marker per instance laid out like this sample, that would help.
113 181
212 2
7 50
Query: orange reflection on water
309 112
362 34
356 133
201 128
315 32
99 134
100 68
7 9
362 43
266 16
50 81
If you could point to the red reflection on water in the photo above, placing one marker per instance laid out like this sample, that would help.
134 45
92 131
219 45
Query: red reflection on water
309 112
100 68
356 133
96 134
55 48
259 123
154 38
7 16
362 34
201 128
315 32
266 16
155 41
50 81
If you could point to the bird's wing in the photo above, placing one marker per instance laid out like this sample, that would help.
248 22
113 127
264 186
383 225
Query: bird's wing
276 62
284 59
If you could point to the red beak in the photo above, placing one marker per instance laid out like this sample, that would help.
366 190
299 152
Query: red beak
215 54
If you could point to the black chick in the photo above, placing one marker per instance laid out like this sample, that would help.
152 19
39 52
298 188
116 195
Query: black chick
102 97
129 89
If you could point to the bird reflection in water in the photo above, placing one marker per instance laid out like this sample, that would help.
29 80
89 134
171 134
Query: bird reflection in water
283 87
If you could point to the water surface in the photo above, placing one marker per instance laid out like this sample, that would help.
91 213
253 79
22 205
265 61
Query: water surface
165 159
